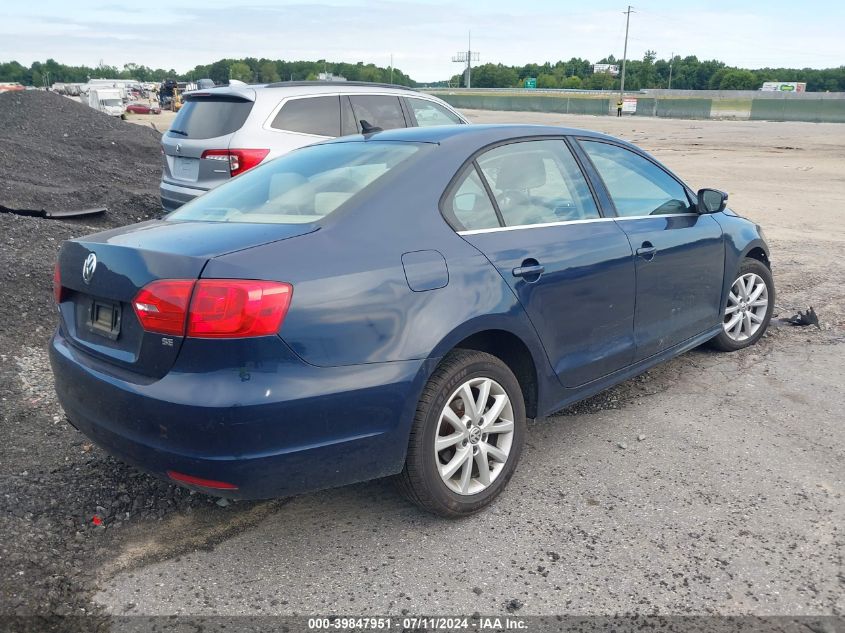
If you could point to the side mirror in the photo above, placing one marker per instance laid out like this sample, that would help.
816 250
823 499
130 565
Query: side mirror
711 200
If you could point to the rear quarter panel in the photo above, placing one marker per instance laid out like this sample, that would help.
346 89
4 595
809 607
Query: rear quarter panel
352 303
257 133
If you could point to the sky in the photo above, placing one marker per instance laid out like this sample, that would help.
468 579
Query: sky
421 35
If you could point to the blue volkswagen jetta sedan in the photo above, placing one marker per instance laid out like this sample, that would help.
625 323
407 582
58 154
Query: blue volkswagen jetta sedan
395 304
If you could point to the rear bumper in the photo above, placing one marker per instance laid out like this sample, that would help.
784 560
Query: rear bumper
270 424
174 196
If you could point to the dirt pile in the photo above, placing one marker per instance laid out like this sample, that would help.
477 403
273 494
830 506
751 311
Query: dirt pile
56 153
59 154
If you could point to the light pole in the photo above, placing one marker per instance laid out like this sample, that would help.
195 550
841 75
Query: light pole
671 61
625 53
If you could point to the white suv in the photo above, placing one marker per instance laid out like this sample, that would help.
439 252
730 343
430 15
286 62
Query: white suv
222 132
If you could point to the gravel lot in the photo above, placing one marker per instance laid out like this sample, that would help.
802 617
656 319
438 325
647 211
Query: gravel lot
731 502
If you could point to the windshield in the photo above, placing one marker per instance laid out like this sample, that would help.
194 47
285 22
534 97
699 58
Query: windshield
303 186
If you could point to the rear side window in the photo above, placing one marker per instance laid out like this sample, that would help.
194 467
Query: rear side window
302 186
379 111
313 115
347 118
537 182
429 113
210 117
469 207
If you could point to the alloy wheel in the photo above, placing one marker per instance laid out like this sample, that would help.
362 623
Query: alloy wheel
474 436
748 301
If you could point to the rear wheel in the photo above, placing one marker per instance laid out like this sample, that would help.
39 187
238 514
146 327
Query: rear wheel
467 436
748 309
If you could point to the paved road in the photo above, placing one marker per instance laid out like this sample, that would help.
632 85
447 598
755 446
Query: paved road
731 503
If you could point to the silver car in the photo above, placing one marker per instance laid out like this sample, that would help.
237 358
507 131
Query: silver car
222 132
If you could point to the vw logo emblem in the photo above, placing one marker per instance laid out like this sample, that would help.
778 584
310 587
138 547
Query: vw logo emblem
89 267
474 435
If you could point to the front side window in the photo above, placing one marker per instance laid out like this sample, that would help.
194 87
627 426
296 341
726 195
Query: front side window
429 113
378 110
636 185
469 207
302 186
312 115
537 182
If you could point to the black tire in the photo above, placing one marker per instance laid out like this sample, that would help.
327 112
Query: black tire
420 479
725 343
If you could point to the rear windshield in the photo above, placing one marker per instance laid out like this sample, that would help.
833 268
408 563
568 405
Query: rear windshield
210 117
300 187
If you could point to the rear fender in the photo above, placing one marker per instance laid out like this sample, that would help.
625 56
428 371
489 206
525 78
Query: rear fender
514 322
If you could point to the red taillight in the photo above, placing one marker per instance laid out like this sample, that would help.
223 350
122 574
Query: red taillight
162 306
199 481
213 308
240 160
231 308
58 291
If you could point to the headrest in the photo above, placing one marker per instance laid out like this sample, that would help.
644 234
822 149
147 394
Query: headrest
521 171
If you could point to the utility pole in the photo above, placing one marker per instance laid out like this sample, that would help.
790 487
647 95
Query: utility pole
467 57
671 61
625 52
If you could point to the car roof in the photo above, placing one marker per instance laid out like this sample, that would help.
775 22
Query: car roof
251 91
474 134
363 86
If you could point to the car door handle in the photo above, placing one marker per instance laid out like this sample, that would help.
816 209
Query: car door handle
647 251
529 271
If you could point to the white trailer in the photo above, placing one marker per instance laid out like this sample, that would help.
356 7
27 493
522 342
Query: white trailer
107 100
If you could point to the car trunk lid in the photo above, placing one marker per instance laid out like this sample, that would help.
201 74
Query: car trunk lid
102 273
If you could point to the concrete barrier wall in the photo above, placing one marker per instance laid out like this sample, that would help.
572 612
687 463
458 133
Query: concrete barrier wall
822 111
737 94
828 108
527 103
674 108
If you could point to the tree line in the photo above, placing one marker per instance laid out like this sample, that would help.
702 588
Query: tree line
249 69
687 73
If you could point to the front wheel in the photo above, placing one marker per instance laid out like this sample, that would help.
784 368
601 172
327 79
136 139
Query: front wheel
748 309
467 435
